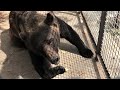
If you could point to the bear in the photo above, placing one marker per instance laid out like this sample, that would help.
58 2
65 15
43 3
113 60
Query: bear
40 35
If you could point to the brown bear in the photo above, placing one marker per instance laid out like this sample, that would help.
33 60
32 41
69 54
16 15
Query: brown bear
41 34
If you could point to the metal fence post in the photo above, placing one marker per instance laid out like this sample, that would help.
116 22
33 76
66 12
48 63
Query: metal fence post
81 27
101 31
93 44
100 39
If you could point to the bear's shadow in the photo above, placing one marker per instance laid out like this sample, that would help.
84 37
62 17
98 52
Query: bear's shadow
18 64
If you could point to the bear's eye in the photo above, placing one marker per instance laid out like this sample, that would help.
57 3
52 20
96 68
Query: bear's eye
50 41
54 24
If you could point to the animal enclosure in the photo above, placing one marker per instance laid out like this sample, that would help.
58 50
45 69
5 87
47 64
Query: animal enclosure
100 32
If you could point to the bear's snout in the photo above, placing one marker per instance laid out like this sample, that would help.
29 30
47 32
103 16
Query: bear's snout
55 60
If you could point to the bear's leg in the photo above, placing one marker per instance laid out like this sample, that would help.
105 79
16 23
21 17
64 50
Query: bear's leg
69 34
44 68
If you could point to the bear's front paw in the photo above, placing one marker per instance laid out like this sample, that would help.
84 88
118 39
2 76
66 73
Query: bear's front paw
56 71
53 72
59 70
87 53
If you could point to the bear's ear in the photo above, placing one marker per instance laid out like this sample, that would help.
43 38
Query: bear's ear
49 19
22 36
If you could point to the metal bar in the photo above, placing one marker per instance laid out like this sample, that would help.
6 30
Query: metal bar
89 33
101 31
82 30
88 30
100 39
84 36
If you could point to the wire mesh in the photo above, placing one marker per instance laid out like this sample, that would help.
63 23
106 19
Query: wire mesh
93 21
111 44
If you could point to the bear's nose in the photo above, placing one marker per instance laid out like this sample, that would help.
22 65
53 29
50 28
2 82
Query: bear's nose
55 60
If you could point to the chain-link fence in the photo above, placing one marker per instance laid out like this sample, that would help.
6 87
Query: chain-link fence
110 48
93 21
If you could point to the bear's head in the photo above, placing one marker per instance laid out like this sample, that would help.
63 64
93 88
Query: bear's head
45 40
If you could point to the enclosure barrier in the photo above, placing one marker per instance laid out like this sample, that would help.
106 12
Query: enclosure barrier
103 27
